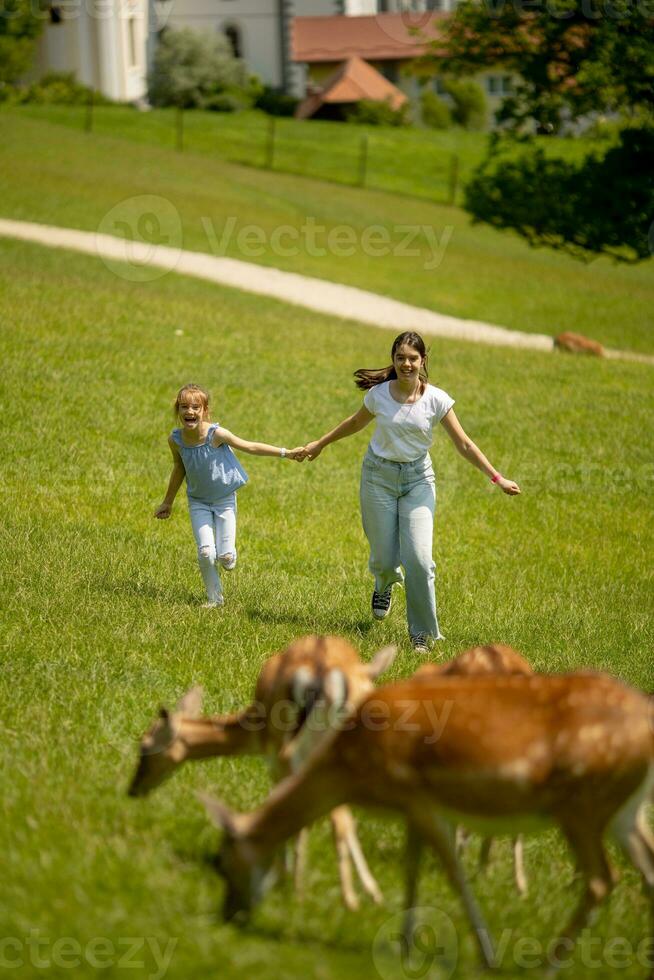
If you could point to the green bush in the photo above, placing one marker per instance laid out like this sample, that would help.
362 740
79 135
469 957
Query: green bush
470 107
58 87
435 112
601 205
370 113
199 71
276 103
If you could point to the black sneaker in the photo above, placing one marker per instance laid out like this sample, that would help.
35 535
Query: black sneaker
381 603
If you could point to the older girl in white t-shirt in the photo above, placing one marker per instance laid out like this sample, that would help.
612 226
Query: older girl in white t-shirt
398 493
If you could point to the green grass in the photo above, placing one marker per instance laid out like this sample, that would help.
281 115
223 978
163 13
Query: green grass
59 175
411 161
102 618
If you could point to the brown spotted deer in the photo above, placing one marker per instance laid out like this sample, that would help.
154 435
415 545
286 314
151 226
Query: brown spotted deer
496 753
313 668
494 658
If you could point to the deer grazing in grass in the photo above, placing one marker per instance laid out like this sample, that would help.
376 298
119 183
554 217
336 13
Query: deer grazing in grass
289 684
494 658
495 753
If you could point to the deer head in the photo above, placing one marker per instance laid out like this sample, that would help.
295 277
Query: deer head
162 749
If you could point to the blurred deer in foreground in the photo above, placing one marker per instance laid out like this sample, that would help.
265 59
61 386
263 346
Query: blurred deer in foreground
495 753
495 658
313 668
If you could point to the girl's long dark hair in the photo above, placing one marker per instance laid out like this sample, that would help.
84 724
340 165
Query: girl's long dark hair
369 377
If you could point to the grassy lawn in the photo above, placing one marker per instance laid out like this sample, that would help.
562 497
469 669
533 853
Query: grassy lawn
406 160
433 257
101 602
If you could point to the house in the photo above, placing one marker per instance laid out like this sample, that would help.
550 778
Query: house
388 42
102 41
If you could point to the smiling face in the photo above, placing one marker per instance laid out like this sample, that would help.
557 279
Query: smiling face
407 362
192 410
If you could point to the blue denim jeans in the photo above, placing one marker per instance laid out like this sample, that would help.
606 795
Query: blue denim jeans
397 507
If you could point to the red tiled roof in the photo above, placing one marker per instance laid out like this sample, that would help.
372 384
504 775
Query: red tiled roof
352 81
379 37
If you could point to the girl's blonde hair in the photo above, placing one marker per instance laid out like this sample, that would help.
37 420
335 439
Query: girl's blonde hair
193 389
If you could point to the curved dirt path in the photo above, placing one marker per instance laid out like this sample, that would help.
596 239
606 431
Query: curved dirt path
320 295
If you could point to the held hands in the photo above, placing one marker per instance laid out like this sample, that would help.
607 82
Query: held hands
313 450
298 454
163 511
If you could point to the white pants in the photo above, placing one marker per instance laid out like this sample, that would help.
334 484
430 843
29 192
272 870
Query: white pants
214 529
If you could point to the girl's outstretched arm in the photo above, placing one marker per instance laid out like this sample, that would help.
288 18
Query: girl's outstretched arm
176 479
466 447
348 427
221 435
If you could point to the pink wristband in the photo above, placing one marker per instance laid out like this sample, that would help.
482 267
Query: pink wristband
496 478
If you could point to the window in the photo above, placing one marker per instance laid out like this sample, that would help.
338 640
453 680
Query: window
131 42
499 84
233 35
439 86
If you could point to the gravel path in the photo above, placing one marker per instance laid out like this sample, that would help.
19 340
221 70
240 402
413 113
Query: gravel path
129 260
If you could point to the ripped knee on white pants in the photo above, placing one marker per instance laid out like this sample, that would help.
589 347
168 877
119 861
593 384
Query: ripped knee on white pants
206 553
227 561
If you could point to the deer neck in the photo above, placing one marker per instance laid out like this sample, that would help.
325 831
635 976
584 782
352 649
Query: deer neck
295 803
235 734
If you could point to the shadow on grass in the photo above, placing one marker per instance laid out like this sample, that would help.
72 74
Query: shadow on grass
309 624
147 590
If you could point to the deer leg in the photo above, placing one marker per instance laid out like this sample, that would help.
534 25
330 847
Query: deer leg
461 839
484 853
440 834
412 868
340 832
366 877
586 843
519 867
300 861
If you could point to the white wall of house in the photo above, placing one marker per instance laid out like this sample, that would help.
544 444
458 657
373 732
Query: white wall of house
104 45
257 23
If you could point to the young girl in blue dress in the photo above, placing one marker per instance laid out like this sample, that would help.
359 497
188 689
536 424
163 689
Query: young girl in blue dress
202 453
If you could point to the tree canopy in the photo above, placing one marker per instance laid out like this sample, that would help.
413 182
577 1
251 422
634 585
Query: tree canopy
21 22
568 57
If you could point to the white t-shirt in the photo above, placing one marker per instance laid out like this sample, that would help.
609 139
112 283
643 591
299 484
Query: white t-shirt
404 432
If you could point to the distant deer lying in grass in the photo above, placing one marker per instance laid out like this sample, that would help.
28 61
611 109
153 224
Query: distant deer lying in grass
289 684
495 753
498 659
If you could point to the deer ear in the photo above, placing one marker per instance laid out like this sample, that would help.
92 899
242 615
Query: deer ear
191 703
381 661
222 816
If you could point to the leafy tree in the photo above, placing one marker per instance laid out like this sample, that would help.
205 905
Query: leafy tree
603 205
371 112
470 106
435 112
198 71
569 57
21 23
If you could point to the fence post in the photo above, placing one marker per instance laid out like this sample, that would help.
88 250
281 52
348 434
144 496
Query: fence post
454 178
363 161
270 145
179 128
88 115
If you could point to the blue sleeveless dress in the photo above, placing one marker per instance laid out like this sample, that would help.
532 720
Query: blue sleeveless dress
211 474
